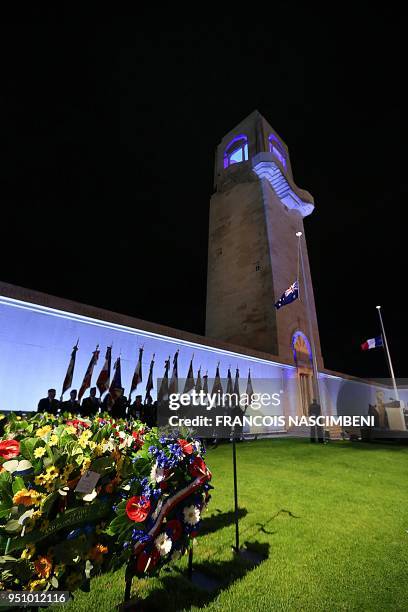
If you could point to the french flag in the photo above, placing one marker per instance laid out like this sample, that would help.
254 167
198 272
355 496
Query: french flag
372 343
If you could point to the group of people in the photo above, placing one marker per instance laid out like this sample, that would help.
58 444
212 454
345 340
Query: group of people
118 408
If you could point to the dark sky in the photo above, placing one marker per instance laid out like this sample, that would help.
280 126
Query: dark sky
108 139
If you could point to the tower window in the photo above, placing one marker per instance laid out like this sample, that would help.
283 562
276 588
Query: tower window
277 149
237 151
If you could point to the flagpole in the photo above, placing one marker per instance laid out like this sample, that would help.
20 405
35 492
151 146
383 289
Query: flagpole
306 291
387 352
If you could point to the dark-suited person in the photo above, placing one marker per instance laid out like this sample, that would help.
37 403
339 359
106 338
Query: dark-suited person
90 405
71 405
49 403
119 406
107 403
136 409
149 412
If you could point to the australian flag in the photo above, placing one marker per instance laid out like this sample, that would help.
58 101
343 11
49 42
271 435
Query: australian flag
289 296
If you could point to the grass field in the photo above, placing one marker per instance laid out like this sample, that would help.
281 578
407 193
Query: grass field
332 521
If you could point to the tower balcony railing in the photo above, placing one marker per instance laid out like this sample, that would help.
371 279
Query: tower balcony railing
267 166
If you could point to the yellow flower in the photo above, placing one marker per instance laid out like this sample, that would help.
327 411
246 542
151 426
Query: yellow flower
70 429
18 418
30 522
43 566
83 442
66 472
92 444
53 440
42 431
37 585
86 463
28 552
2 416
39 452
96 553
52 472
27 498
99 450
41 479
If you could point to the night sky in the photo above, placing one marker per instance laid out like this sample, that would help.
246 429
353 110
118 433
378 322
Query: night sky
108 141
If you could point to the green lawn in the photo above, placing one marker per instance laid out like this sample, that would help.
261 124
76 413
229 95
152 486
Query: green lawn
332 520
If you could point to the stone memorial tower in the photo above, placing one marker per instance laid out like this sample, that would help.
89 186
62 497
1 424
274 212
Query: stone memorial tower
255 213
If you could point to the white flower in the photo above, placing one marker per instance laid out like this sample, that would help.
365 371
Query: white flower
191 515
90 496
163 544
27 514
157 474
17 466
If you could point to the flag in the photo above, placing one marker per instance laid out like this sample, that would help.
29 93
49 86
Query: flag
236 383
115 390
229 382
249 389
70 371
217 386
173 388
372 343
86 383
104 377
149 384
137 375
289 296
205 389
163 394
189 384
198 385
205 384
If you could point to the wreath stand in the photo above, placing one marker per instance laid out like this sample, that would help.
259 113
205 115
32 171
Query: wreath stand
242 551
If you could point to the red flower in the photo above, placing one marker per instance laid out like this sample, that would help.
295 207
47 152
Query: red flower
186 446
78 423
146 561
137 508
197 467
174 529
9 449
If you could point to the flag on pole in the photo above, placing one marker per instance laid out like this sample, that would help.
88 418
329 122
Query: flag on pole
205 389
86 383
115 388
236 383
163 394
289 296
230 389
205 384
249 389
372 343
104 377
190 383
137 375
217 386
173 388
198 384
70 371
149 384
